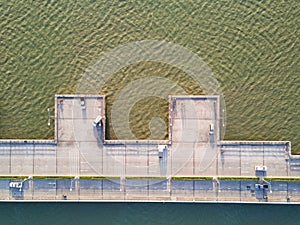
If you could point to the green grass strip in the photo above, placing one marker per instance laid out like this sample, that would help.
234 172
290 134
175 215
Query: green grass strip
250 178
13 177
145 178
192 178
52 177
99 177
237 178
283 179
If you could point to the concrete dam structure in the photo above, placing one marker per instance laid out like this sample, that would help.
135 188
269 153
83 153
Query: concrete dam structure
193 165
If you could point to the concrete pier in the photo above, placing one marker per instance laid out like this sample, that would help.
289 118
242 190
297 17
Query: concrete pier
80 164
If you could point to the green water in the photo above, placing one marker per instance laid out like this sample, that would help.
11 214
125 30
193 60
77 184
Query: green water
252 48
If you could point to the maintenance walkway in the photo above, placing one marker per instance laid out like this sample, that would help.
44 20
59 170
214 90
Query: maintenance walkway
80 152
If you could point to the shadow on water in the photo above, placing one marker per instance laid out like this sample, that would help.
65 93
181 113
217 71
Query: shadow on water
107 128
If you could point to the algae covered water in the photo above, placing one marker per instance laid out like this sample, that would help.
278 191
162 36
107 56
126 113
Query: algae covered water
252 47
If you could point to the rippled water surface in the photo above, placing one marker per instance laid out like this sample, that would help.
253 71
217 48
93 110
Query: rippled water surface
252 48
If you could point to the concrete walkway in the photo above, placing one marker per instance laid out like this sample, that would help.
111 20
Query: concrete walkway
80 149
